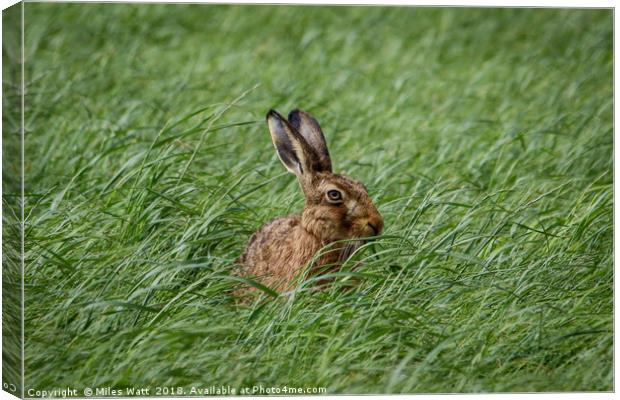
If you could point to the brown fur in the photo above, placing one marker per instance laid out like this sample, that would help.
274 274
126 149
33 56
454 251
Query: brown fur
279 250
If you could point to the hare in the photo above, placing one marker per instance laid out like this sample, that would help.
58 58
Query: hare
336 208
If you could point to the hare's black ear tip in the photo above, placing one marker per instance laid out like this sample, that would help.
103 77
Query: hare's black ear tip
274 114
297 115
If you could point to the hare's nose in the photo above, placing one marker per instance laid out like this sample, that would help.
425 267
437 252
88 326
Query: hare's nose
375 229
376 223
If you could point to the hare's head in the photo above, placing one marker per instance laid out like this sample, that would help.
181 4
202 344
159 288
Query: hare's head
337 207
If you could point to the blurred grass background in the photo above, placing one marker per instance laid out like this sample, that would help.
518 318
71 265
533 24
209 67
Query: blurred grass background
12 343
484 136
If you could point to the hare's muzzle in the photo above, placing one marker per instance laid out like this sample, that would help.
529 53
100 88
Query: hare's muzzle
374 224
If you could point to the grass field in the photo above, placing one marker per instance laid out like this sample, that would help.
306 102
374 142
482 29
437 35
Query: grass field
483 135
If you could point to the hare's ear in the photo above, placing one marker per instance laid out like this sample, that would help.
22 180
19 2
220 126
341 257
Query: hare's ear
310 129
293 150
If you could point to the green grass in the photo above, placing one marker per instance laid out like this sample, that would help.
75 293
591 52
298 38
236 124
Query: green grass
484 136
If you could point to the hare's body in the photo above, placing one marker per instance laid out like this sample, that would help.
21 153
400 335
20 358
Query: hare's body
276 252
337 208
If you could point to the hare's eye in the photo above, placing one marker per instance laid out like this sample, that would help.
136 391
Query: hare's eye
334 195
